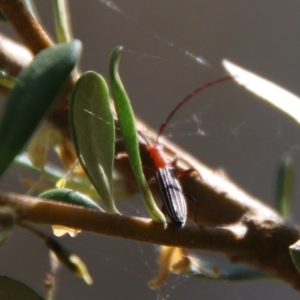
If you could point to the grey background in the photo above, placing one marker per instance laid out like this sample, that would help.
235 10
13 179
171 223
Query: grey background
244 137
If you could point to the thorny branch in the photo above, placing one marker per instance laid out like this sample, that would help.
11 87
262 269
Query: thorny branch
232 222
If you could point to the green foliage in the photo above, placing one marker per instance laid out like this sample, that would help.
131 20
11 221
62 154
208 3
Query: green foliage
62 23
70 197
93 131
36 88
129 133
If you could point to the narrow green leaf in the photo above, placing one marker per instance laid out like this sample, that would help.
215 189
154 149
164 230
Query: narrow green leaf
285 186
62 20
13 289
70 197
36 88
129 133
93 132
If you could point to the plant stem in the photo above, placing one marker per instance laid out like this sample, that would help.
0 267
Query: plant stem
248 242
26 26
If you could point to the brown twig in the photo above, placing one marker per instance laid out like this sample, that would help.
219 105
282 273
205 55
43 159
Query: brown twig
28 29
261 243
13 56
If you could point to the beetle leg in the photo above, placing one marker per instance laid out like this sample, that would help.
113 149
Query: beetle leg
175 161
184 172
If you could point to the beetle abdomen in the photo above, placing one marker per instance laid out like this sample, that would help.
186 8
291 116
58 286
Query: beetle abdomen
172 195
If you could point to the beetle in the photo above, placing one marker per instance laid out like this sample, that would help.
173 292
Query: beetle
173 197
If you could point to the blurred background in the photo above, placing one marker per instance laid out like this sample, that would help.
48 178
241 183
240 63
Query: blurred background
225 127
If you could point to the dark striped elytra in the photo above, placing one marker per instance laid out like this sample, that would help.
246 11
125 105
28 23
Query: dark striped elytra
174 203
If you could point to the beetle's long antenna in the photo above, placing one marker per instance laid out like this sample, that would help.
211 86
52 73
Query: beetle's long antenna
188 97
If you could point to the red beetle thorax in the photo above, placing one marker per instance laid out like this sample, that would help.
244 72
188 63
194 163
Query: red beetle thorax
158 157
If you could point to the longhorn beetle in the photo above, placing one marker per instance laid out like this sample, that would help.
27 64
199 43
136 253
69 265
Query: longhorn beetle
174 204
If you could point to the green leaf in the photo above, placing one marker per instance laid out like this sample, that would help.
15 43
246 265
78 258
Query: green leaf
285 186
13 289
36 88
129 133
70 197
62 20
93 131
